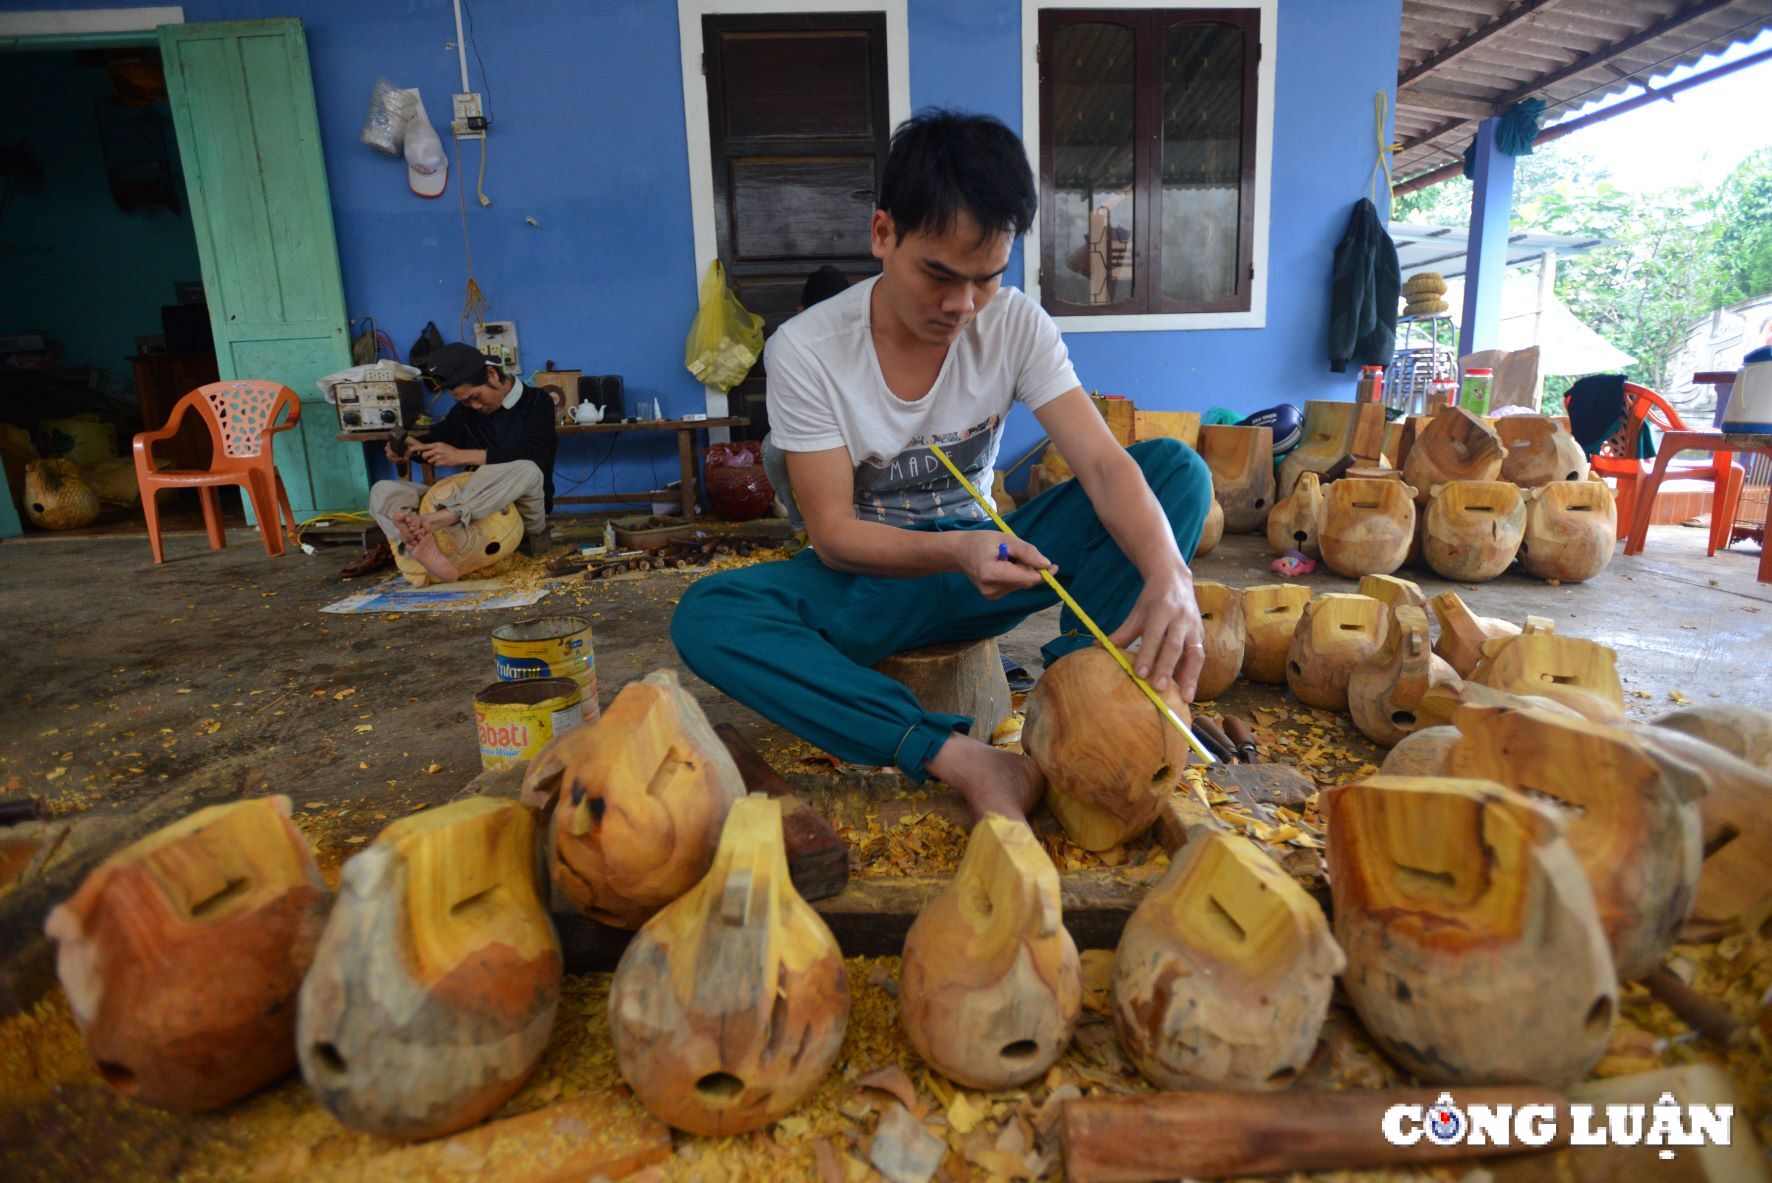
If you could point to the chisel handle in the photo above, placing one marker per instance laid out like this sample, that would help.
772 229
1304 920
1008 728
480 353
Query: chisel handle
1242 738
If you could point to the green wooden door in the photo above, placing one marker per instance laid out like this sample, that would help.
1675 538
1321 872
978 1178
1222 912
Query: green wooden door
243 103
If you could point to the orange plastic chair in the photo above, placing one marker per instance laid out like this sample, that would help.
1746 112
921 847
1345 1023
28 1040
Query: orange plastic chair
242 418
1644 407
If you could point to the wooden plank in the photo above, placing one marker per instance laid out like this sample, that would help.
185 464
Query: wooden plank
1175 425
1120 415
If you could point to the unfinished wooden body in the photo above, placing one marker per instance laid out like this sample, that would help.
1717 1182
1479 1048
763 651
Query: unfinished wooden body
1221 611
1367 527
1455 446
1539 450
1211 531
1744 732
1571 528
1576 672
1332 431
1109 757
1293 523
1385 691
991 984
1633 821
1474 951
1223 976
729 1006
182 953
1337 632
1394 591
1463 633
1421 753
641 796
1473 529
484 547
1242 464
957 678
1271 611
433 990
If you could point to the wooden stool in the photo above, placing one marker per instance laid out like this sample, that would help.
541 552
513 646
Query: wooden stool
1472 529
1333 431
1367 527
1294 522
1336 633
1456 446
1271 612
956 678
1242 464
1221 611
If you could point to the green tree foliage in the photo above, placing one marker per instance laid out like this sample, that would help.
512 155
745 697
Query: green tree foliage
1743 231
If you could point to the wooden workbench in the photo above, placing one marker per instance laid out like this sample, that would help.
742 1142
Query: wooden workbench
685 429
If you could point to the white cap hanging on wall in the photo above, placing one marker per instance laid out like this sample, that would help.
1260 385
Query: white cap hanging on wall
427 165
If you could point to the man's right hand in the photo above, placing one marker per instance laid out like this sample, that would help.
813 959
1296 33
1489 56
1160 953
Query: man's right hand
993 576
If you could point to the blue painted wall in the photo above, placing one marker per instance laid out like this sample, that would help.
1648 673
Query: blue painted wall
593 150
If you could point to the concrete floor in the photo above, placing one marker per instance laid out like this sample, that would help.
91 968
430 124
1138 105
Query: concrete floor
126 680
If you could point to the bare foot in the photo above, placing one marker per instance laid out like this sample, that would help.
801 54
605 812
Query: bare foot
406 521
428 553
437 519
991 780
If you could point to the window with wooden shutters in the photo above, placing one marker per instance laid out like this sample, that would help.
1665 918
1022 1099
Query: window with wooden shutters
1148 162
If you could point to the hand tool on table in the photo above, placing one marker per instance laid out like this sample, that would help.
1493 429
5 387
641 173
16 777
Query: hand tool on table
818 858
1259 783
14 810
1219 1135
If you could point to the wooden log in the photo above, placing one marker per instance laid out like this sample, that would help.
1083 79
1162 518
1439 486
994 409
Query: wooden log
1463 633
729 1006
181 955
1336 633
1121 416
1293 523
1744 732
1109 758
1211 531
1174 425
991 984
434 987
1576 672
1455 446
1632 821
1474 950
1048 472
1221 611
956 678
1473 529
1367 527
1421 753
1223 1135
642 794
1394 591
1242 464
1271 611
1333 432
1385 691
1223 976
1571 529
1539 450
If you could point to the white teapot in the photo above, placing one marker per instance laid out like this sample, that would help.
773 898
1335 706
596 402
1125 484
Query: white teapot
587 413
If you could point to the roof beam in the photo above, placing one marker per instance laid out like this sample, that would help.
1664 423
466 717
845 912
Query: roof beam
1444 104
1581 64
1470 41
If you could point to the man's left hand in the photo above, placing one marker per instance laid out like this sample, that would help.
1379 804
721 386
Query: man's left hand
1171 637
440 454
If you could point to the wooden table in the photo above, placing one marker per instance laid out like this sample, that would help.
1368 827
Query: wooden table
685 429
1725 444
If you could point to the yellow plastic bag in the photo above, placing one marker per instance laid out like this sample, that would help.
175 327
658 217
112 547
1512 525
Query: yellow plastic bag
726 338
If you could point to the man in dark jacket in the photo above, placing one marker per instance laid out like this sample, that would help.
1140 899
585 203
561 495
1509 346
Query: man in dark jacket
501 429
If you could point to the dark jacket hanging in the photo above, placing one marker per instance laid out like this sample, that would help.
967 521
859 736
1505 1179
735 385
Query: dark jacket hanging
1363 293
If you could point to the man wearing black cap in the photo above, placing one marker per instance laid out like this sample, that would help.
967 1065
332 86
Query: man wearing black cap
501 429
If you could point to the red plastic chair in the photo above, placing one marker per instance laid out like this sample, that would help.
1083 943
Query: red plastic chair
1643 406
242 418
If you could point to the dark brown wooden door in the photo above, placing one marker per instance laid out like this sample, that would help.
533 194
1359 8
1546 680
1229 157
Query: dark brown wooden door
798 127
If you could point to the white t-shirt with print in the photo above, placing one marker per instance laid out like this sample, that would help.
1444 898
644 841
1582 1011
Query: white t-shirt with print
826 390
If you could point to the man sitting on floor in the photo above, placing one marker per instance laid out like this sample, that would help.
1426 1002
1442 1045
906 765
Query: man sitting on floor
501 429
935 351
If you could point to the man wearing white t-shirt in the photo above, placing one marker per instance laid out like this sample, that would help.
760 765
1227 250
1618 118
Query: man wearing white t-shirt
934 350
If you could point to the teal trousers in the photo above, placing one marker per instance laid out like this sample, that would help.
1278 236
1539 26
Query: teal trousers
795 641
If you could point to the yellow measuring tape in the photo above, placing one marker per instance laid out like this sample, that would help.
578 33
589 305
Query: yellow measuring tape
1163 708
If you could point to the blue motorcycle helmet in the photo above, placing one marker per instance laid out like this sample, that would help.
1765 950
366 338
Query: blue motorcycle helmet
1285 421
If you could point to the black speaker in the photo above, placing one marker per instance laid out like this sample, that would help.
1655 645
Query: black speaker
602 390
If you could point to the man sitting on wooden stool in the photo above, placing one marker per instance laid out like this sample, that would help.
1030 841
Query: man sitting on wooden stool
935 351
501 429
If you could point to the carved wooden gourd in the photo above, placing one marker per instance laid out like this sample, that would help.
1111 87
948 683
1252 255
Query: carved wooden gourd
1211 530
729 1005
1455 446
182 953
1223 975
1571 528
1473 529
1385 691
1293 523
57 497
1221 611
1463 633
642 794
434 987
1367 527
1474 951
1109 757
1242 464
1331 433
1421 753
1271 611
1337 632
1632 821
1539 450
1576 672
1394 591
484 547
991 984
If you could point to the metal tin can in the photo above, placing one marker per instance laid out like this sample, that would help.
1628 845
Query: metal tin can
516 719
548 647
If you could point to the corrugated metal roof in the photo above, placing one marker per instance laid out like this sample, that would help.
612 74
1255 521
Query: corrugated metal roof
1441 249
1462 60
